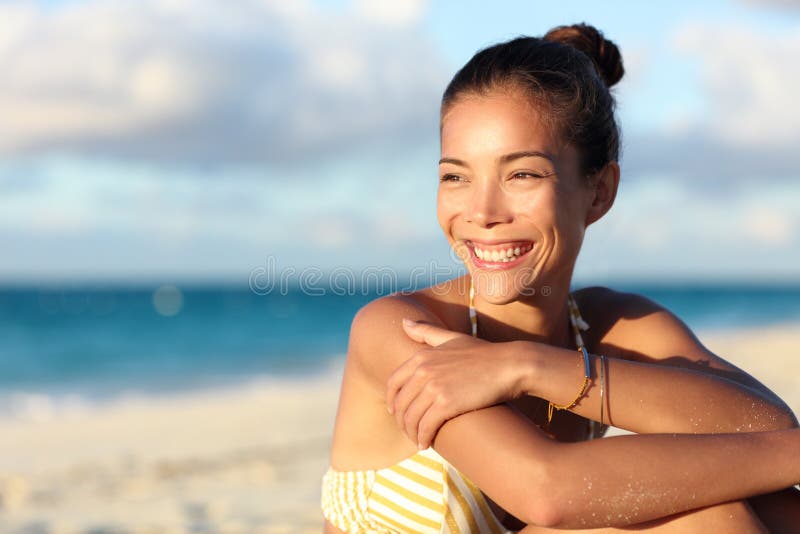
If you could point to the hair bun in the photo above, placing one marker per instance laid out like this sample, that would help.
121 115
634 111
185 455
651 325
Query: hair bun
590 40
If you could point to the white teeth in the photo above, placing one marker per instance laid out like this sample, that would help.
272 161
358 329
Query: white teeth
503 256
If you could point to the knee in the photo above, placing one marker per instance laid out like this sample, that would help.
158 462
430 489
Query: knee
736 517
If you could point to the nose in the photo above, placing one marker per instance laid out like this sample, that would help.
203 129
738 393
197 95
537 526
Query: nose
488 206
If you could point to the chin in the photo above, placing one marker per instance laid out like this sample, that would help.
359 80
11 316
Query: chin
503 287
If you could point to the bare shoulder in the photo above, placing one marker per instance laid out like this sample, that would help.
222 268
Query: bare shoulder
633 327
638 327
365 435
378 344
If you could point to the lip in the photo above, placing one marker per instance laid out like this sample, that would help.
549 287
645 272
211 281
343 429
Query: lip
491 242
497 266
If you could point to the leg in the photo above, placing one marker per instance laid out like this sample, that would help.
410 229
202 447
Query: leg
780 511
732 518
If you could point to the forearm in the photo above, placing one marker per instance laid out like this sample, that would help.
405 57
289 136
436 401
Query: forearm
630 479
615 481
648 398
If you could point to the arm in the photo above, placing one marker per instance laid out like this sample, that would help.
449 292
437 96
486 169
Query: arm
651 397
656 351
463 374
617 481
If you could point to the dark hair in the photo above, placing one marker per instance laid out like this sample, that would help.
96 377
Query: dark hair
567 73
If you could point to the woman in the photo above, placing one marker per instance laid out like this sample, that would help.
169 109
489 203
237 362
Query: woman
465 406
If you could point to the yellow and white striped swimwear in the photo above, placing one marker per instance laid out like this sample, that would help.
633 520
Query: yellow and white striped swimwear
422 494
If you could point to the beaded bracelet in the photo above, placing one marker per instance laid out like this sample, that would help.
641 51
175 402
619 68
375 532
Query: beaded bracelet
587 376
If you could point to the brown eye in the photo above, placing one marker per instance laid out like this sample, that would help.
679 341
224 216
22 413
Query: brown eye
451 178
527 175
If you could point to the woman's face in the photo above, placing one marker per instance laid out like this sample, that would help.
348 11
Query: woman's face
511 199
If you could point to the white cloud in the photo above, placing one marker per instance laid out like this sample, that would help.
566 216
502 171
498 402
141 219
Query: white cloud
748 126
331 231
391 12
790 4
765 225
664 229
111 218
751 79
212 80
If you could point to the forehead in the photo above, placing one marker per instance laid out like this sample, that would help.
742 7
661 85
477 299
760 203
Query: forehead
496 123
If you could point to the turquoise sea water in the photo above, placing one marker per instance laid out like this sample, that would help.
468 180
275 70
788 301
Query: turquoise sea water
97 342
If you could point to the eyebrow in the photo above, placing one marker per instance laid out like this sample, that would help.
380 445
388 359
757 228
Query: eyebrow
506 157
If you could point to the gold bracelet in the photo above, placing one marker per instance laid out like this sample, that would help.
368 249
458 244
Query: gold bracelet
587 376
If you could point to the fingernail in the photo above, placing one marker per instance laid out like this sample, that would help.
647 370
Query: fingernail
420 447
389 409
409 322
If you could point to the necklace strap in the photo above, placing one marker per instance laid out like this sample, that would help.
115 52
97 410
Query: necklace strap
575 318
577 323
473 315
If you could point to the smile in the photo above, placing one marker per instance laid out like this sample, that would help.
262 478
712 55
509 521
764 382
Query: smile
499 255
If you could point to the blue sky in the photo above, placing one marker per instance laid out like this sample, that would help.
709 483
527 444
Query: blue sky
177 140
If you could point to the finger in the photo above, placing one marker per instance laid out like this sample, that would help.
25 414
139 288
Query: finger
414 413
405 396
428 333
429 424
398 379
442 407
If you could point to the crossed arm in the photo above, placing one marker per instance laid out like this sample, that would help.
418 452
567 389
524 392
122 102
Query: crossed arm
548 483
669 381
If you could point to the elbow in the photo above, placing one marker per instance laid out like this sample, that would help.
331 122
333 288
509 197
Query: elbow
760 418
775 419
558 498
544 506
545 515
786 420
793 419
771 414
780 417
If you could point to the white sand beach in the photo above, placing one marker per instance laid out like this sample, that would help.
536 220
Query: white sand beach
246 459
243 460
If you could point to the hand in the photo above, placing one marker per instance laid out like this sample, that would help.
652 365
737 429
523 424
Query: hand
453 374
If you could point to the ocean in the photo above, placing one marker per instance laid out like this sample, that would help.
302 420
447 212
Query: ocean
89 344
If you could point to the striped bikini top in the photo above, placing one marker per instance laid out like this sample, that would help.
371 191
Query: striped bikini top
423 493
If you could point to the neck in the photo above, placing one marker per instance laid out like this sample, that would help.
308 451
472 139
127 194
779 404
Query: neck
540 318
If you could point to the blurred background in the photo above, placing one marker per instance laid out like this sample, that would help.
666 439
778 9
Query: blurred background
196 197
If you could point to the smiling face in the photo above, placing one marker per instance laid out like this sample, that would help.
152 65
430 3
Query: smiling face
511 199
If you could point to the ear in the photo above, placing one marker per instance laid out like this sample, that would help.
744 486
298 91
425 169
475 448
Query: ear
604 185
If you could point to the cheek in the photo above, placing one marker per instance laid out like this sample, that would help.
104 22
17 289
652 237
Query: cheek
569 223
553 212
539 206
448 206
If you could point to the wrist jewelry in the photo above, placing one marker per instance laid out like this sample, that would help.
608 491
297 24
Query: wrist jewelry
602 386
587 375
